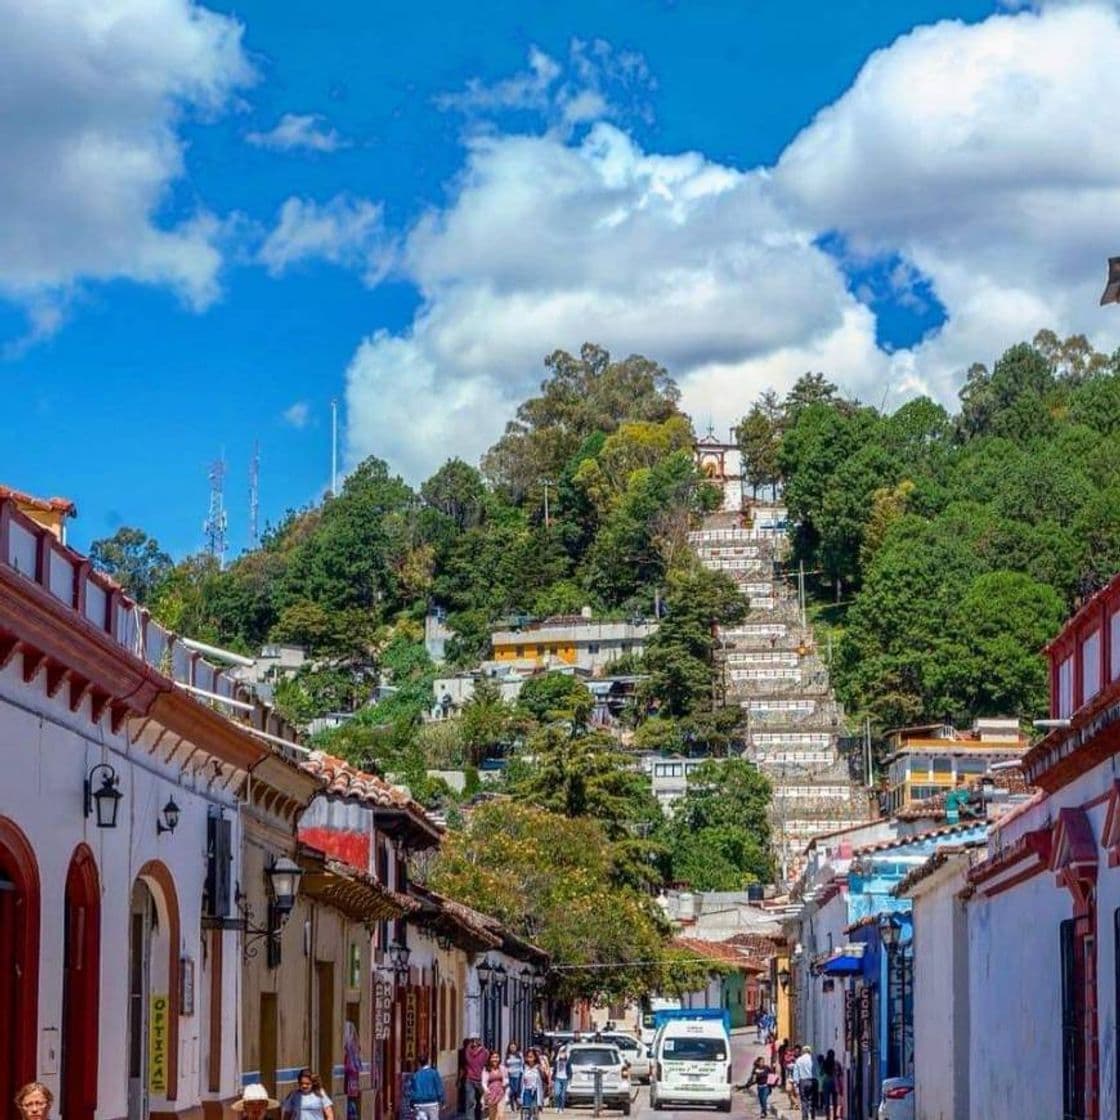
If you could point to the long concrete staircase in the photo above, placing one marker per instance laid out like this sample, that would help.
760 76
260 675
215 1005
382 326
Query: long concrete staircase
773 671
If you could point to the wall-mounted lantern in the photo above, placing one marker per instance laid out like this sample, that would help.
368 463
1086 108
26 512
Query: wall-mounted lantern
170 815
105 800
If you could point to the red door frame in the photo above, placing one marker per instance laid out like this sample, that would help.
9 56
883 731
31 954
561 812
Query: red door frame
18 1059
81 987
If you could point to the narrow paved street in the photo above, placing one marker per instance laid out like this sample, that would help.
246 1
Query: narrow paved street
744 1106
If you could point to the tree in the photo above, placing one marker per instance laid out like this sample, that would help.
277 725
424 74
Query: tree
580 396
486 723
808 389
133 559
548 878
585 776
719 834
458 492
680 655
759 435
556 696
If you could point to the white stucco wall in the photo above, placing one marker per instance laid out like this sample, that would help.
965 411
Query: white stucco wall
1015 1000
941 1008
46 751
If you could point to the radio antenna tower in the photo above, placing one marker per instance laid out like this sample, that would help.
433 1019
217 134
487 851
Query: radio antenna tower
254 495
216 521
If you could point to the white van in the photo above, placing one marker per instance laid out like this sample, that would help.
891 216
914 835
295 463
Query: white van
691 1064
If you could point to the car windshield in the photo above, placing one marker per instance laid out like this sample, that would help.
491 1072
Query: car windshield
594 1057
694 1050
623 1043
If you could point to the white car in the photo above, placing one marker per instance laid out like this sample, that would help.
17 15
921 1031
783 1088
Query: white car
634 1051
896 1100
584 1059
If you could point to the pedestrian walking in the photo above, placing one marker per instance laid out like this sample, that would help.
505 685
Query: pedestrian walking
829 1086
308 1100
532 1087
805 1080
34 1101
427 1089
495 1087
763 1079
352 1070
475 1056
515 1063
254 1102
561 1071
784 1061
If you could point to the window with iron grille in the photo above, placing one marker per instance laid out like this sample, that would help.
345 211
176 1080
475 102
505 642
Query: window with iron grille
1073 1019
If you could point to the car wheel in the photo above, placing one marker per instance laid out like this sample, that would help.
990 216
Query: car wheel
725 1106
625 1108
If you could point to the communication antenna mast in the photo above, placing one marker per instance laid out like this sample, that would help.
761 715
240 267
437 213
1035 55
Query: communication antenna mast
216 521
255 495
334 448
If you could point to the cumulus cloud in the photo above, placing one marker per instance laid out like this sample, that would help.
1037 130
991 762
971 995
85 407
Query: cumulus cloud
977 153
297 415
89 148
970 156
294 131
345 231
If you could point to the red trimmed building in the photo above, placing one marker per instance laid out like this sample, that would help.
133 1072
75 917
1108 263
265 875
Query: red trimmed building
1043 909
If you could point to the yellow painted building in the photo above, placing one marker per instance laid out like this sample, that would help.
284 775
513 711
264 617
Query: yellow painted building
573 642
932 758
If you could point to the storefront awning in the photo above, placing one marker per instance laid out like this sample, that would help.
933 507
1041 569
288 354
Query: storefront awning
848 962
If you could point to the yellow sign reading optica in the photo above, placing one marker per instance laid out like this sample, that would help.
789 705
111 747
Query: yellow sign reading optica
157 1046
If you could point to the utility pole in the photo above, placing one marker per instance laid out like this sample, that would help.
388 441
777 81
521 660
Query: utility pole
254 495
334 447
216 521
547 521
801 591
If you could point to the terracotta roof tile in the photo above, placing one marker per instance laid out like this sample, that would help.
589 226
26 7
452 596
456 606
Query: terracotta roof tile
47 505
344 780
722 952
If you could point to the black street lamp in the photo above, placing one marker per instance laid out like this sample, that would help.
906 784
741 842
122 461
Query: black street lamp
105 801
170 815
398 958
283 877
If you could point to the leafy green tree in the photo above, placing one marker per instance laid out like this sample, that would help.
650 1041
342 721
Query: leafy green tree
581 395
554 696
457 491
680 656
487 723
548 877
133 559
759 436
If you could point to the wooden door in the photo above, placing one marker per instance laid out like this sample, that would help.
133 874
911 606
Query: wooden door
81 968
269 1026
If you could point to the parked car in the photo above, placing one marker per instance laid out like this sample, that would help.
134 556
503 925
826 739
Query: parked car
634 1051
584 1058
896 1100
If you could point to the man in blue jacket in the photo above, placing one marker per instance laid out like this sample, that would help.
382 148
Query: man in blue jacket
427 1089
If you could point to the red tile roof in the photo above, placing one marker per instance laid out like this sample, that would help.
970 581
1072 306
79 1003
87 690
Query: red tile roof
47 505
722 952
915 837
344 780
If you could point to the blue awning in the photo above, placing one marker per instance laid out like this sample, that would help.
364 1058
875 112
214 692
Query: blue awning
848 962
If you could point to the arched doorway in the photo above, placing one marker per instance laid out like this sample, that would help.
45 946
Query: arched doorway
80 987
19 952
153 992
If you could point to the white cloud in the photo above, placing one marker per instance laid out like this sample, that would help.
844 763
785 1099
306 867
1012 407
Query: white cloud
293 131
88 144
547 244
346 231
980 154
977 155
297 415
595 82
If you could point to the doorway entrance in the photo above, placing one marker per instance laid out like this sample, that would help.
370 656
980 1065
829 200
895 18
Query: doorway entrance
142 924
81 968
19 963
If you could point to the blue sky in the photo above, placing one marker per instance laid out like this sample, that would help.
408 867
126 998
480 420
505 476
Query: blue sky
218 218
